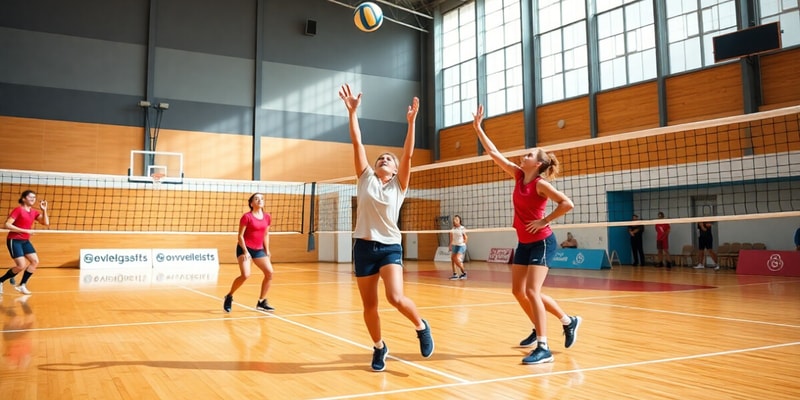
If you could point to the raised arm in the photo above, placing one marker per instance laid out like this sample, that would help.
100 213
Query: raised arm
43 218
490 148
352 102
404 169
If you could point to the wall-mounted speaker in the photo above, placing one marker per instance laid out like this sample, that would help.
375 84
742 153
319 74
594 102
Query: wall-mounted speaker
311 27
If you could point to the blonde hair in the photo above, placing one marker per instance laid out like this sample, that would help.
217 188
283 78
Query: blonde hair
390 154
549 167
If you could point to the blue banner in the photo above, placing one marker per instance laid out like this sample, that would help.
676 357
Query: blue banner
580 259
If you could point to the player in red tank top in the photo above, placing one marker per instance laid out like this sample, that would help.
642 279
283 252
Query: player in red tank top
537 243
20 227
253 247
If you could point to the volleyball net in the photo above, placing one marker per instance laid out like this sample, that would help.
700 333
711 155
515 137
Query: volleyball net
107 203
734 168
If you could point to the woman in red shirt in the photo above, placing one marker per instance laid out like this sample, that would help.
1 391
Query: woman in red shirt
537 242
253 246
20 228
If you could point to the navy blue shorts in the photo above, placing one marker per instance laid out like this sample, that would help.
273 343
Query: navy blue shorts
259 253
536 253
370 256
19 248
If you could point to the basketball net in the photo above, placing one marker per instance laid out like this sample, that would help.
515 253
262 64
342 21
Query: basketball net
157 180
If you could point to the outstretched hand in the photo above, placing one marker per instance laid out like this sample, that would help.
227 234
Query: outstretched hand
477 117
350 101
413 109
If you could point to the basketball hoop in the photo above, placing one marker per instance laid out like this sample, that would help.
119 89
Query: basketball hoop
157 180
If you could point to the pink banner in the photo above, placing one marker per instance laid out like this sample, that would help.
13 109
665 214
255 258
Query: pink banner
500 255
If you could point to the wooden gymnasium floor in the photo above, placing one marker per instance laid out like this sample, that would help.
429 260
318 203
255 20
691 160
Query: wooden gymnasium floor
647 334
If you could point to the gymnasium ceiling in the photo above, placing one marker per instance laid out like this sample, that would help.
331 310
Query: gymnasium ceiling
415 14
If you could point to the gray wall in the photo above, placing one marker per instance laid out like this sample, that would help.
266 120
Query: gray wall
87 61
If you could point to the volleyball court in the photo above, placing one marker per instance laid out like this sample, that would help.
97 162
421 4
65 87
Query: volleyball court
646 333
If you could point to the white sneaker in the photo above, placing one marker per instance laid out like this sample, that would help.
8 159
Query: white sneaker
716 268
699 266
23 289
1 287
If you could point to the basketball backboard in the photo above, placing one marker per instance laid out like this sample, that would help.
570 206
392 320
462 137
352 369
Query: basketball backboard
166 166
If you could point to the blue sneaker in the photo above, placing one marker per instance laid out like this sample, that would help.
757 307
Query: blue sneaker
379 358
425 340
571 331
463 276
540 355
228 302
530 340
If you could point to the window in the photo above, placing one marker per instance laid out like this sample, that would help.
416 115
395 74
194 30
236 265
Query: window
504 56
459 64
691 26
564 70
788 13
627 42
563 51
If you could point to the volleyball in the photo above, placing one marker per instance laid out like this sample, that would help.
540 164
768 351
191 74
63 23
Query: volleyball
368 17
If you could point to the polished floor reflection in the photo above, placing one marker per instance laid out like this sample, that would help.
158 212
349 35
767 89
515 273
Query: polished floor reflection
646 333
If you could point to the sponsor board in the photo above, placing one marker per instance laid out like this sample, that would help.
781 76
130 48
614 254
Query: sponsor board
580 259
185 258
442 254
768 262
501 255
116 258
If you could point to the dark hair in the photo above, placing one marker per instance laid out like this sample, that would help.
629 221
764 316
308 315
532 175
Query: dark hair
457 216
660 214
24 195
250 200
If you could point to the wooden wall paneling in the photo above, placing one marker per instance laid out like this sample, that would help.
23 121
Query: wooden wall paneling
574 112
62 146
210 155
427 244
627 109
305 160
458 142
780 79
705 94
22 140
777 135
70 146
311 161
507 131
114 145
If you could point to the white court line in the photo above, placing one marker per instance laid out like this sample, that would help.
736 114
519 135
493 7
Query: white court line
574 371
691 314
348 341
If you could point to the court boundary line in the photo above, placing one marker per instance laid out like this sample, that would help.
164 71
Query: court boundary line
345 340
574 371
